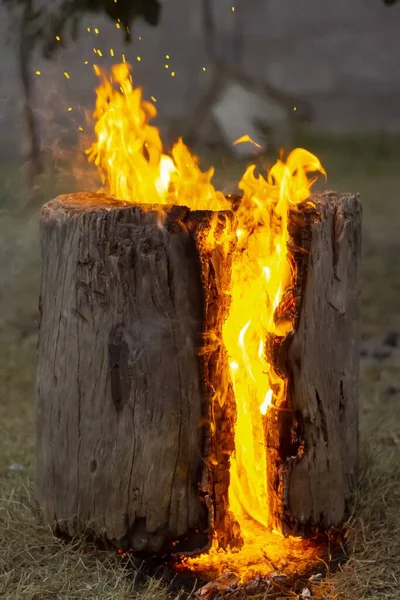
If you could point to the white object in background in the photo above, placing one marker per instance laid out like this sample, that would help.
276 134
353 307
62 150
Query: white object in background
237 112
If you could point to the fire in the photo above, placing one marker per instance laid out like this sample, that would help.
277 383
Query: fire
129 154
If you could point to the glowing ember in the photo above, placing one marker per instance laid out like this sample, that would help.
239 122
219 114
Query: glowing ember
129 154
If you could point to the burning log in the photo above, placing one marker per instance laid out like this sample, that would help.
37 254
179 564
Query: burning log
131 443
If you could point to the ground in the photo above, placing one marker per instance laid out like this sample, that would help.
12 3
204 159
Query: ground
36 566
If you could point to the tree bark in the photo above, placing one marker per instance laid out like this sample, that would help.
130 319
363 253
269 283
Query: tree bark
312 438
121 405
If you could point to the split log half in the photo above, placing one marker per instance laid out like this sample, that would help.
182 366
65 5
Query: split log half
121 404
312 438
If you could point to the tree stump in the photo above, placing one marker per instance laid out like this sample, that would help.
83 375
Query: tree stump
129 358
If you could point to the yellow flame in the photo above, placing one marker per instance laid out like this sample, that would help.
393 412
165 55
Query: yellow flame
129 154
261 273
244 139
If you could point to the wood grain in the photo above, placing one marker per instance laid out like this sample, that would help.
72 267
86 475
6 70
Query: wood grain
120 395
313 437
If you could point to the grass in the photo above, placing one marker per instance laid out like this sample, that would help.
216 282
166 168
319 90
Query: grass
34 565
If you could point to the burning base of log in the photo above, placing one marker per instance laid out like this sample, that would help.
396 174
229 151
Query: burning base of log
197 368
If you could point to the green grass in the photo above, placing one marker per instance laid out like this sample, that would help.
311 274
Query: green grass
36 566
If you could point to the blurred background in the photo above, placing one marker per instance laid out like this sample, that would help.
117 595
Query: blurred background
320 74
341 57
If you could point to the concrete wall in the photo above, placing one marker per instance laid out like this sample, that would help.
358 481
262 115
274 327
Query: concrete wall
344 55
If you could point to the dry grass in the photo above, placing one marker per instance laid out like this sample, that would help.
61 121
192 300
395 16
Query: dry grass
36 566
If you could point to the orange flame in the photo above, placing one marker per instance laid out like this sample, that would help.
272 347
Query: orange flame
129 154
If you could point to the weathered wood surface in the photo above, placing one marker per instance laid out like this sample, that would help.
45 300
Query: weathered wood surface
313 438
120 398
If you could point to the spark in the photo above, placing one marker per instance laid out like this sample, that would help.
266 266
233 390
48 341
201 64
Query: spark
99 52
172 73
96 31
117 25
123 58
86 62
166 66
80 128
140 38
294 107
69 108
153 98
167 56
88 30
67 75
204 68
233 9
58 38
38 72
138 58
111 52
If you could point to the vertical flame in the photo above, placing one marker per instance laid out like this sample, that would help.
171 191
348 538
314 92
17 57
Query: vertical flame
129 154
261 272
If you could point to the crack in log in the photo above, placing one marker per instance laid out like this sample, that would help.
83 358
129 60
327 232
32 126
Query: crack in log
79 412
179 379
321 412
